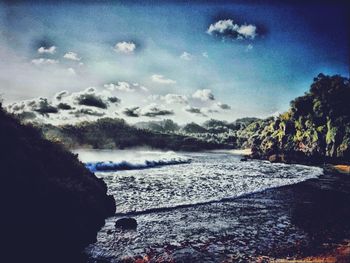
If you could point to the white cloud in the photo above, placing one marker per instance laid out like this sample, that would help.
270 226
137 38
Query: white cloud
203 95
205 54
247 31
50 50
125 86
175 98
44 61
140 86
121 86
161 79
72 56
249 47
186 56
71 71
221 26
229 28
125 47
169 98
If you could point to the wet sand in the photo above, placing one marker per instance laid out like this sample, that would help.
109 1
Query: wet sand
321 208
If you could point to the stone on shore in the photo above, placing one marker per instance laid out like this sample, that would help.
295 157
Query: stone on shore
126 223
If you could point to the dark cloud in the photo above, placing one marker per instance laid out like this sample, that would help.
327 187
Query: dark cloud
44 107
132 112
114 100
194 110
90 112
92 100
155 111
64 106
223 106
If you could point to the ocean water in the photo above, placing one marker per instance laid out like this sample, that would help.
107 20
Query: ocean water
185 205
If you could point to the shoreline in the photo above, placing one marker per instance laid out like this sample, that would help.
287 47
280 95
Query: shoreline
304 222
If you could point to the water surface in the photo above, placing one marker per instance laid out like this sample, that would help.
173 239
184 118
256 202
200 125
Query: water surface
188 206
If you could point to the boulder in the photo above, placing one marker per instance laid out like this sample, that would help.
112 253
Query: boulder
126 223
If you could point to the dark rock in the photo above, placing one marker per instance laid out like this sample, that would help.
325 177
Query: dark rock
244 159
274 158
126 223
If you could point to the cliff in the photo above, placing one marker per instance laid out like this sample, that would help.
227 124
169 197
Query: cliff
51 205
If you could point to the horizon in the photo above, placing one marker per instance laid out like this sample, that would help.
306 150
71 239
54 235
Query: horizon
176 60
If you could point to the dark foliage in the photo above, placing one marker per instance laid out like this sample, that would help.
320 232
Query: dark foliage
51 205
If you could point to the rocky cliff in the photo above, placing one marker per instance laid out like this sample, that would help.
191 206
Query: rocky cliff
51 205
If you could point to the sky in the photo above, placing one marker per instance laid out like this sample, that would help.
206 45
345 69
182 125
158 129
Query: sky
180 60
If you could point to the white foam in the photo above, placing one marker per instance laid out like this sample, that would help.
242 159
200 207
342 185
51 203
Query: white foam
109 160
210 177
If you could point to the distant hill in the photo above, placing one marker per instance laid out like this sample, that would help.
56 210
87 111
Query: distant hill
117 134
214 131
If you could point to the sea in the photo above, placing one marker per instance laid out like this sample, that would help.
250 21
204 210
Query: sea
193 206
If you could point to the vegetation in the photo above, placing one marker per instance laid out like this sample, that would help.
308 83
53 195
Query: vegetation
116 133
315 128
214 131
52 206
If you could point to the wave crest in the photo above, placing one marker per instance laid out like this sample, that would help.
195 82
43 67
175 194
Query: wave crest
127 165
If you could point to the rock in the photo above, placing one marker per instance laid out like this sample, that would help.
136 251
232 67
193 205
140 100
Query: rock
244 159
274 158
126 223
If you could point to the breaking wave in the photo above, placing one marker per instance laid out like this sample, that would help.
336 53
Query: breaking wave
127 165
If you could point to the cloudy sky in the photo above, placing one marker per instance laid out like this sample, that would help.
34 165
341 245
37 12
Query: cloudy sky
150 60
